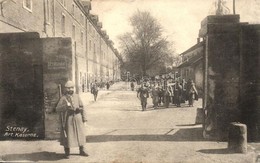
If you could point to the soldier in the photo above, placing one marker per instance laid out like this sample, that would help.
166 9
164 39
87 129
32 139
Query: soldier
193 94
177 93
73 119
108 85
132 86
143 94
184 91
167 96
94 90
155 96
160 93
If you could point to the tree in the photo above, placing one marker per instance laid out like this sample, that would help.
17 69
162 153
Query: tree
145 50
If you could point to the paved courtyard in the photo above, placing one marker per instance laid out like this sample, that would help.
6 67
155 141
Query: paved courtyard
118 131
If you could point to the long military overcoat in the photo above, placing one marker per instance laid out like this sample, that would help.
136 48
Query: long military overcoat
72 117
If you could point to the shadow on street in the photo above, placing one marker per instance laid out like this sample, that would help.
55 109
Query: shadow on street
187 134
150 108
216 151
37 156
187 125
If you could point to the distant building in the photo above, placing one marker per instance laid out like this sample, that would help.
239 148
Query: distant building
94 54
191 66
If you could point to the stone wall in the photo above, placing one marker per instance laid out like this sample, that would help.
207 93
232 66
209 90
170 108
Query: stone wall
21 86
231 73
57 69
250 78
222 62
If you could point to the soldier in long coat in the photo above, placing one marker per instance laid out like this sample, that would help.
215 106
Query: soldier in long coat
167 96
177 93
73 119
94 90
143 94
161 94
155 96
193 94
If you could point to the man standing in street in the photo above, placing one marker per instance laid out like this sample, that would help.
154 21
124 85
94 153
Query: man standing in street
132 86
177 93
94 90
108 85
155 95
193 94
143 94
73 119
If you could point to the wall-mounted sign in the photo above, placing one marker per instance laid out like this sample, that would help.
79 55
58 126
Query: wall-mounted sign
56 65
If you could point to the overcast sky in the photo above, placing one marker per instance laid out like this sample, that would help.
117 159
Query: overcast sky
180 18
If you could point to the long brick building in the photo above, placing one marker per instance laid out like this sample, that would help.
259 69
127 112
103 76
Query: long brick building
42 45
94 54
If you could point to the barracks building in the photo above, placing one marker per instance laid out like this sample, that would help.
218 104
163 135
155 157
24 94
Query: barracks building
42 45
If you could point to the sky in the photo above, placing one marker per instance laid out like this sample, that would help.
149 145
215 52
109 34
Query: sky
180 19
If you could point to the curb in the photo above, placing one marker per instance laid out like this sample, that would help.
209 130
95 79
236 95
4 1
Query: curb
256 153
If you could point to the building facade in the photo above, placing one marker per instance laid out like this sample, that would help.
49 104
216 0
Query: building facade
192 65
93 53
56 40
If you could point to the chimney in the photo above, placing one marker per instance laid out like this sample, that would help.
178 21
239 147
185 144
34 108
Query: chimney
198 40
99 24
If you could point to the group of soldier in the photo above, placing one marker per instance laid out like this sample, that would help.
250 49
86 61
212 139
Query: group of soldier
73 114
167 91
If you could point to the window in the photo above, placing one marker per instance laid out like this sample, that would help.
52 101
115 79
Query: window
73 10
63 21
89 28
73 31
48 10
81 37
64 3
89 45
82 19
27 4
80 78
94 48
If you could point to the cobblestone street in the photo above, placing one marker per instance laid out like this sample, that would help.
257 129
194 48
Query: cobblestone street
110 78
118 131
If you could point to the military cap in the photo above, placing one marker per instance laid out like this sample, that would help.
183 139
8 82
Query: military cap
69 84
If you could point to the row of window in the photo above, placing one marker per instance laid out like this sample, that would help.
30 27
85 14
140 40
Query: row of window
73 11
28 5
63 29
81 15
63 2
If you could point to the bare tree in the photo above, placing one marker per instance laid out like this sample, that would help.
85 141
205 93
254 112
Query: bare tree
145 48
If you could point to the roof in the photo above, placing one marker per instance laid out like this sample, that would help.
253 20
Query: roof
191 61
193 47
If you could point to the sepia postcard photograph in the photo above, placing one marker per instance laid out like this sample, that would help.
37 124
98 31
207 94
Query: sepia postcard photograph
130 81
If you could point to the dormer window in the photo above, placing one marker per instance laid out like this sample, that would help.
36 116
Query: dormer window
27 4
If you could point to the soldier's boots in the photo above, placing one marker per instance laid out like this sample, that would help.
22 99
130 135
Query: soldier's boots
143 108
67 153
82 151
